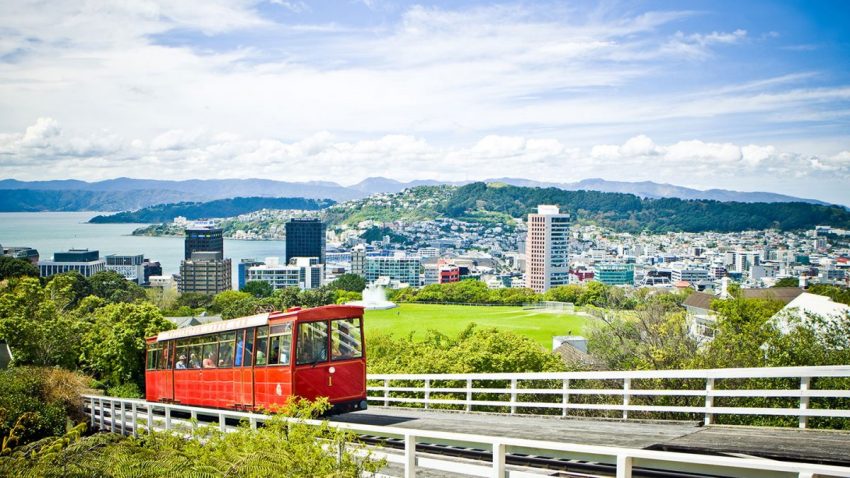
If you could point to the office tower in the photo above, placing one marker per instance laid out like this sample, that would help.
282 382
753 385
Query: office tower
358 260
302 272
400 268
547 249
242 271
204 273
84 261
203 238
132 267
305 237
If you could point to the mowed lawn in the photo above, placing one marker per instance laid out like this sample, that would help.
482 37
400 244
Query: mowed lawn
451 319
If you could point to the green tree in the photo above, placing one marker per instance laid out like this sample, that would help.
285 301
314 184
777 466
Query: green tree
11 267
194 300
113 350
69 288
113 287
787 282
349 282
225 299
258 288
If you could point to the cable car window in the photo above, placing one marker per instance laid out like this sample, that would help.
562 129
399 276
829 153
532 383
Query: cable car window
209 355
153 352
182 352
312 342
262 345
226 342
196 353
345 339
165 356
280 344
244 348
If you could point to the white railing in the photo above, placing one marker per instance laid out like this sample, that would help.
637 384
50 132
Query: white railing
128 416
524 391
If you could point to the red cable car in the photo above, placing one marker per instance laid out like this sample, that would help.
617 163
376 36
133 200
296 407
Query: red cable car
261 360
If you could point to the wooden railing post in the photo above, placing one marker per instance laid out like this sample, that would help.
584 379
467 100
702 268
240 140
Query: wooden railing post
804 401
499 460
409 456
386 392
513 396
566 396
709 400
627 385
624 466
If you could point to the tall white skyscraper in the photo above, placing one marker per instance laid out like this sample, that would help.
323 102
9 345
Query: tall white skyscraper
547 249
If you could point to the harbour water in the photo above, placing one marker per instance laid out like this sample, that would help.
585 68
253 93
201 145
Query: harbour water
56 231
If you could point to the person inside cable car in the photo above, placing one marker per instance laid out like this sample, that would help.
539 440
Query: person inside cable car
181 363
193 361
209 360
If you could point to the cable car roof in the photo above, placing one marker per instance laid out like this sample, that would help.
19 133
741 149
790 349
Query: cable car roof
215 327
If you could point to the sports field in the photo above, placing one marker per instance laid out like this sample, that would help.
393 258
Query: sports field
451 319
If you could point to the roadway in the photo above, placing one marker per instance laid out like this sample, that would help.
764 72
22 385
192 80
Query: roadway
789 444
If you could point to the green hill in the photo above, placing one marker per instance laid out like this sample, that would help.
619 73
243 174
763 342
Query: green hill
219 208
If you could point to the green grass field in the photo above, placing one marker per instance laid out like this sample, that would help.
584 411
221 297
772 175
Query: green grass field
451 319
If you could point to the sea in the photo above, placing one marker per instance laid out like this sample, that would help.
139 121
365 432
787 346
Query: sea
50 232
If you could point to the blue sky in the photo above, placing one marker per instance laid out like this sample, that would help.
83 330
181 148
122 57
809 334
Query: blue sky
750 95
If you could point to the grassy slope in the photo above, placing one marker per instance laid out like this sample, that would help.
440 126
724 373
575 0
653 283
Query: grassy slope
451 319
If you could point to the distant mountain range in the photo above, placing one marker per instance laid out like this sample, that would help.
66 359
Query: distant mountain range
129 194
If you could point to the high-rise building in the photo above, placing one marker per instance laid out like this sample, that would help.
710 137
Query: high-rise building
305 237
131 267
84 261
242 271
204 273
547 249
358 260
615 273
302 272
404 269
203 239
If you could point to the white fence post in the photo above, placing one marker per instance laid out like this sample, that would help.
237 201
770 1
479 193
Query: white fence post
194 417
135 420
624 466
804 400
222 422
427 393
91 409
409 456
123 418
499 460
167 417
112 416
469 395
150 418
709 400
386 392
566 396
513 396
627 385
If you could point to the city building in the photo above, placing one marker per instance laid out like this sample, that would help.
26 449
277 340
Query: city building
358 260
615 273
242 271
132 267
204 272
25 253
152 268
547 249
302 272
203 238
305 237
449 273
399 268
84 261
165 282
688 274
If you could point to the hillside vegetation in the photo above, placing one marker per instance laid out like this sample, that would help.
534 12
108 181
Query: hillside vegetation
629 213
218 208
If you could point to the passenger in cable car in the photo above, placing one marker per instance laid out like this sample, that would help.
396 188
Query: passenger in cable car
181 363
193 361
209 361
261 358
